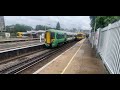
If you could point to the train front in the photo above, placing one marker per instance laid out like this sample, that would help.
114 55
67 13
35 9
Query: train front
80 36
50 39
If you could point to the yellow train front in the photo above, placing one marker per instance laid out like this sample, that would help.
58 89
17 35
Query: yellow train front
80 36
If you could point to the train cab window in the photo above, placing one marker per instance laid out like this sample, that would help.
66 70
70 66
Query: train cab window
79 35
52 35
18 34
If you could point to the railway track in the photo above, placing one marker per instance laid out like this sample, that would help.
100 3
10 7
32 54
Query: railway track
21 56
23 65
16 52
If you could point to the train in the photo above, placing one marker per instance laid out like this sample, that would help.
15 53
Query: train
31 34
54 38
23 34
80 36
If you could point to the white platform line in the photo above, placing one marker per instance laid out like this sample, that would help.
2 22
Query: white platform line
72 59
52 61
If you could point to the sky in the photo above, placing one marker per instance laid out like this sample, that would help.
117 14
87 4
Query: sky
69 22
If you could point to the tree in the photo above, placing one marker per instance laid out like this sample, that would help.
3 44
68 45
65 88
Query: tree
22 28
103 21
58 26
92 18
18 28
38 27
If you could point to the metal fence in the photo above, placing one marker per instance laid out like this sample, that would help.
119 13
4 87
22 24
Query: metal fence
108 46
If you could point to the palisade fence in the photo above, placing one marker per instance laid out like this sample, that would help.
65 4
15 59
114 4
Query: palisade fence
107 44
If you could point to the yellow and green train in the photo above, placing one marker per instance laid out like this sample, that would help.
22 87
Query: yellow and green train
80 36
54 38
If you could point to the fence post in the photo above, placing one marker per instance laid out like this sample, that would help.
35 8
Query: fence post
107 38
97 46
92 39
99 39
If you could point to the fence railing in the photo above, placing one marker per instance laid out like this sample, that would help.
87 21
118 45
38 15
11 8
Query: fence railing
108 46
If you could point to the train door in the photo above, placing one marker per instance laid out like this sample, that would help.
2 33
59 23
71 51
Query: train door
47 37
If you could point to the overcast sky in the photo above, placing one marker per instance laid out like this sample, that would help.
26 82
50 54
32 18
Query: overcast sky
69 22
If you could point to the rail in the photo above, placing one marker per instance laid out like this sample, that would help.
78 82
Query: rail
19 51
19 40
15 69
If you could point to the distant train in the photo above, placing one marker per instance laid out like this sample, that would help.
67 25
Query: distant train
23 34
29 34
54 38
80 36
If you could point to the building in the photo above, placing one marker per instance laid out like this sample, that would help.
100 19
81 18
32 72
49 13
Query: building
2 24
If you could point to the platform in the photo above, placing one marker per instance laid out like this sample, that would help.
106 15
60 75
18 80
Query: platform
14 45
7 40
79 59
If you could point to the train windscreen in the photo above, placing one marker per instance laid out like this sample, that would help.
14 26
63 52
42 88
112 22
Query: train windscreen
79 35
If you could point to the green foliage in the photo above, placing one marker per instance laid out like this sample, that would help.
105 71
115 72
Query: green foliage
18 28
103 21
58 26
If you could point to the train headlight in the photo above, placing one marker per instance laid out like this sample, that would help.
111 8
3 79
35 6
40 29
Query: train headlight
52 40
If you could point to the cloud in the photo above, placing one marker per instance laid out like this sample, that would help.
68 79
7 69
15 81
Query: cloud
69 22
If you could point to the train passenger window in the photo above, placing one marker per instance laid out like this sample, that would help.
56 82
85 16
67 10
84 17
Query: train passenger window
59 36
65 35
52 35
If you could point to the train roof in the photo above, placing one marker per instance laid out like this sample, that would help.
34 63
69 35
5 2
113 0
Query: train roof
60 31
33 31
80 33
22 32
